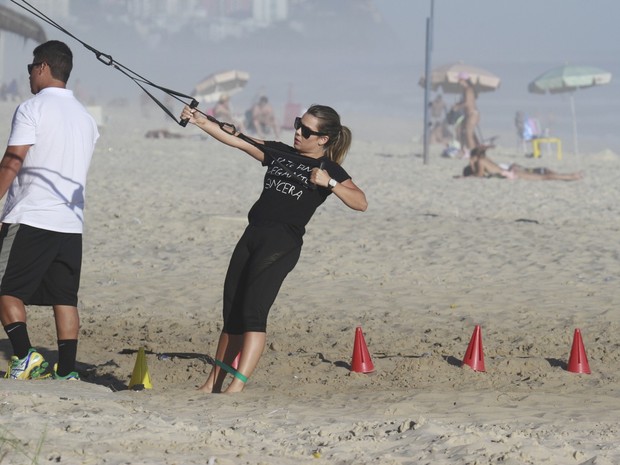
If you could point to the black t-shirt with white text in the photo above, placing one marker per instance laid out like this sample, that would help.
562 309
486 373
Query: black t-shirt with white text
285 198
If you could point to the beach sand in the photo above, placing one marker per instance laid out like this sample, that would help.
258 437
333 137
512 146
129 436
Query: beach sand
433 257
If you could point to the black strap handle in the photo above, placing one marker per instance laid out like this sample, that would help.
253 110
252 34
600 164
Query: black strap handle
184 121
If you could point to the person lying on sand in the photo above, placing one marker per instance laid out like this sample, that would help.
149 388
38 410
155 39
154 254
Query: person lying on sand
162 134
483 167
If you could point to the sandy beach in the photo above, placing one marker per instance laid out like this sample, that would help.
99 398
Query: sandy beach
433 257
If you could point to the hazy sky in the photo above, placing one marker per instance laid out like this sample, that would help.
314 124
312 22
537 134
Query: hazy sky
518 40
523 30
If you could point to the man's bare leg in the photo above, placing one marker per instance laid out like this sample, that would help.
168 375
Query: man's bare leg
12 310
67 322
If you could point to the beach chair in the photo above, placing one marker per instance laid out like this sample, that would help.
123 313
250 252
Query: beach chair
530 131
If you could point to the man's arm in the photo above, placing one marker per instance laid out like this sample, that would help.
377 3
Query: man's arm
10 165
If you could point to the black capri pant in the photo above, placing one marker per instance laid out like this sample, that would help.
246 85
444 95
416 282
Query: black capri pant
261 260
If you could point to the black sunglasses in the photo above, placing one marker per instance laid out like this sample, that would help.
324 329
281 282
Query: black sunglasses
32 65
305 130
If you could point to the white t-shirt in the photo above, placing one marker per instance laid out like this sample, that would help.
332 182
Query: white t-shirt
48 192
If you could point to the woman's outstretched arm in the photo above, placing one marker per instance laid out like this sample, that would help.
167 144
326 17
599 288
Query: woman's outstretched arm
214 130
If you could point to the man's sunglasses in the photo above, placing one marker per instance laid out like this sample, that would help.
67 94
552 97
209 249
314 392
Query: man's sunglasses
32 65
305 130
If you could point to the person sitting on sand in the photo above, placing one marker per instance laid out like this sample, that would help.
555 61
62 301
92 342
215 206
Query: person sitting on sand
162 134
223 112
482 166
262 119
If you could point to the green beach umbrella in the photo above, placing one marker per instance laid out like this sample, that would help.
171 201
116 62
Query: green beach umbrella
567 79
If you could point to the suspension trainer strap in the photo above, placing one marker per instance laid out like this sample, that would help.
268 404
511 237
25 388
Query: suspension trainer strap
107 59
141 82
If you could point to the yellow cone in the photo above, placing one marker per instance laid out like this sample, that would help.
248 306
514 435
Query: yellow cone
140 375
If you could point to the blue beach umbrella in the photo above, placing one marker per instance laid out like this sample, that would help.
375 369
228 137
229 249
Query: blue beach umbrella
568 79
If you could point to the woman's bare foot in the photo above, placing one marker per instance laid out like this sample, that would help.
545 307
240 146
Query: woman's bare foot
209 386
206 387
236 385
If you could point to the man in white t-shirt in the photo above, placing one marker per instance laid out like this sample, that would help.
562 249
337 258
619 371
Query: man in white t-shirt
43 174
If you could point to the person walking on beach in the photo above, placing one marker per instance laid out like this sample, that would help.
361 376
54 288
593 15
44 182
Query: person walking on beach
297 181
44 170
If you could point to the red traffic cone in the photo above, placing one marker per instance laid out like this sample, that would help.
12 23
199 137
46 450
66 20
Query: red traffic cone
361 362
474 356
578 361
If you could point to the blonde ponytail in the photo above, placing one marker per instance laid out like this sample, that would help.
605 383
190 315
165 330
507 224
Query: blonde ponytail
340 136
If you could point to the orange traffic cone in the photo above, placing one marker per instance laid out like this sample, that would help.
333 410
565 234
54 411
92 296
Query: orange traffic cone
474 356
361 362
578 361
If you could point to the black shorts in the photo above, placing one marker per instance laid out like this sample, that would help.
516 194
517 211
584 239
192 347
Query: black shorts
262 259
38 266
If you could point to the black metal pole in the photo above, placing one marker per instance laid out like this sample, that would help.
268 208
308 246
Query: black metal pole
427 79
